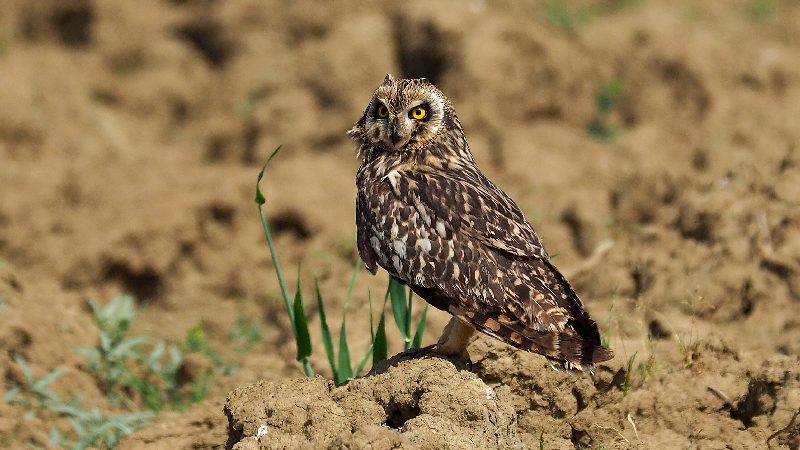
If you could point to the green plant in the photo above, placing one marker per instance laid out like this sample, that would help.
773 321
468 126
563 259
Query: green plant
605 339
131 368
91 428
35 392
761 10
245 334
608 97
626 383
111 360
644 369
340 360
559 15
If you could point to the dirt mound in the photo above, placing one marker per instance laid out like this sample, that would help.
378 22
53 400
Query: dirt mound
425 403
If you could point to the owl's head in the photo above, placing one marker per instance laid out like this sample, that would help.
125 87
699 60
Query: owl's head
404 115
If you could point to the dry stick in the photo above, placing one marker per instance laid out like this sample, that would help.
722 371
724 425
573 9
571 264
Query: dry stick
635 431
791 422
603 427
594 259
721 395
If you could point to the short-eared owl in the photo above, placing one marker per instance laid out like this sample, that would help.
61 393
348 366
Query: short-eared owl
427 215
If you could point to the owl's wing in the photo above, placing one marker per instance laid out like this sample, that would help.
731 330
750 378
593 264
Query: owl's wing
499 277
363 222
469 203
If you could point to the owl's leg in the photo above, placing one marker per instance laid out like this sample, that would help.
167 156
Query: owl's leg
455 338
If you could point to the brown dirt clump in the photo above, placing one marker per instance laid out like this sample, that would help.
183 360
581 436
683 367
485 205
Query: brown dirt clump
424 404
131 134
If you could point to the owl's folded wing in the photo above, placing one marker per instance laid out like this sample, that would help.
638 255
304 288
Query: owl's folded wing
472 205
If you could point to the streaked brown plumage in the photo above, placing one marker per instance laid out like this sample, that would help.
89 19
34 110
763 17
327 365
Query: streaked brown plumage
427 215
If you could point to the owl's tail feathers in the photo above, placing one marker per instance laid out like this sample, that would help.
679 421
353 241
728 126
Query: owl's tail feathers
570 348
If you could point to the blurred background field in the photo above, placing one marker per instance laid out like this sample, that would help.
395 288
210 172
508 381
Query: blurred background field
131 134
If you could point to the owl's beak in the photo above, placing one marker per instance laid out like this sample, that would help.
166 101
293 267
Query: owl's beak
394 135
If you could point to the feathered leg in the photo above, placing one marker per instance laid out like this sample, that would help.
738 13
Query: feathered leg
455 338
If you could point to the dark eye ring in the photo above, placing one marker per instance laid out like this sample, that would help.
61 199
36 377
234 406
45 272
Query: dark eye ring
418 113
382 112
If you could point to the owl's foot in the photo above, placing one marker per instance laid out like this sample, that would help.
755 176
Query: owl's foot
452 346
455 338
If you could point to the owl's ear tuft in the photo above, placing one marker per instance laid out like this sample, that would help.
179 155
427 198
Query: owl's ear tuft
389 79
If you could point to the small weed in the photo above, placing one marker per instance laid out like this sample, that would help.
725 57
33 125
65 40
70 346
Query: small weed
559 15
245 334
131 368
35 392
644 370
605 339
761 10
570 19
91 428
608 97
626 383
339 360
3 303
686 341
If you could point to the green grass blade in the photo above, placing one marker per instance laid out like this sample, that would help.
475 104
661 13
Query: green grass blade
349 295
379 345
420 328
307 369
361 364
301 325
371 325
327 341
407 343
397 294
345 368
260 200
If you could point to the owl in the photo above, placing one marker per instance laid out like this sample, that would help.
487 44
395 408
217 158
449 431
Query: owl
428 216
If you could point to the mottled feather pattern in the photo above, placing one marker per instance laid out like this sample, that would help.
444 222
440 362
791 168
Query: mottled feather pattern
429 217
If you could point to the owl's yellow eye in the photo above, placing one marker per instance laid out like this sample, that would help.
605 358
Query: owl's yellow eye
418 113
383 112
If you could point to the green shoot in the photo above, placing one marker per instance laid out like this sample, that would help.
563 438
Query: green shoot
380 346
303 346
341 367
400 312
327 341
136 368
36 392
559 15
401 298
605 339
302 336
92 428
245 334
626 383
608 97
423 320
340 359
761 10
